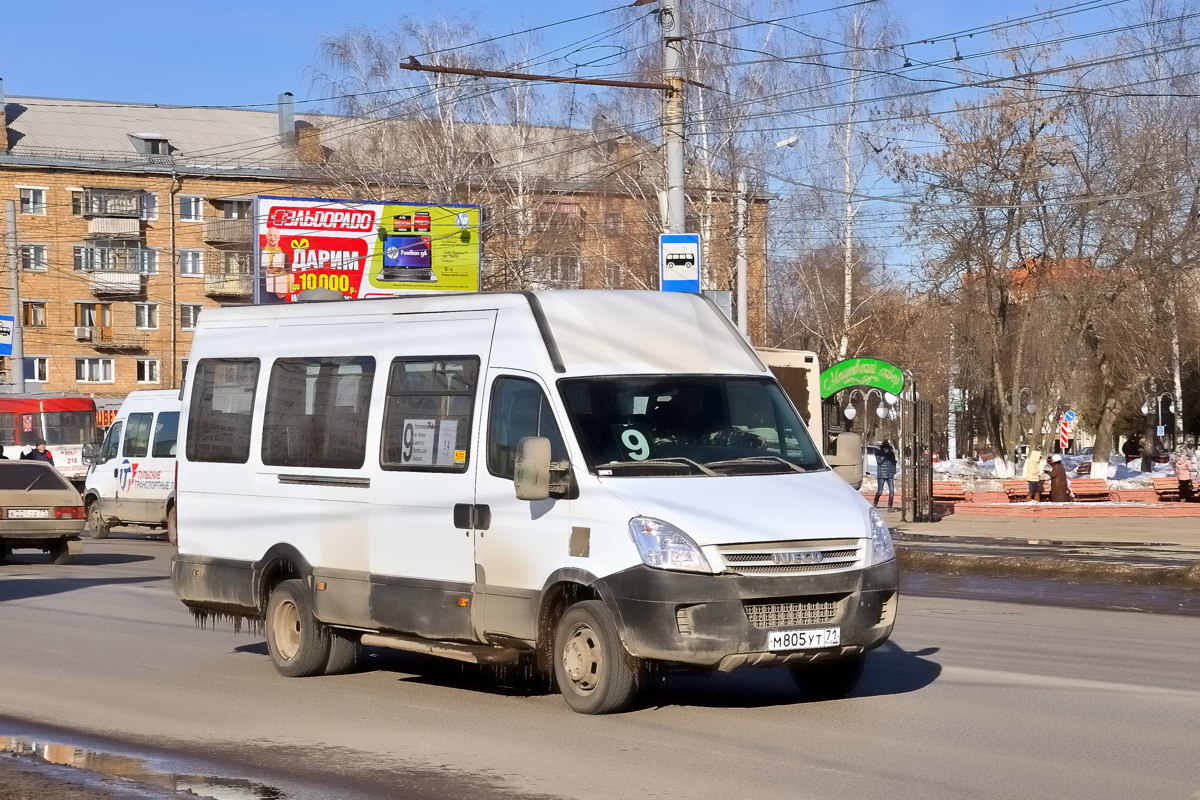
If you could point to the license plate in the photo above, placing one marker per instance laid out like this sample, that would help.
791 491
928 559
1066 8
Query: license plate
29 513
808 639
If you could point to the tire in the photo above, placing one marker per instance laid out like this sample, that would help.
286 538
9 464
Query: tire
60 552
97 525
593 671
829 681
172 527
5 551
299 645
345 653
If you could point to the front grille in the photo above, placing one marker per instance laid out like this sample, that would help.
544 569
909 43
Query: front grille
792 557
769 616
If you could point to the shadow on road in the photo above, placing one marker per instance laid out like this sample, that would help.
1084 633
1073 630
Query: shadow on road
890 670
41 587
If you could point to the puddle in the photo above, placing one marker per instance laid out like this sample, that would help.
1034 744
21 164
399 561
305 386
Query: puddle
139 771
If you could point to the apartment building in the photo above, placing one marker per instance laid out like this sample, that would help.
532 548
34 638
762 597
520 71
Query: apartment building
131 219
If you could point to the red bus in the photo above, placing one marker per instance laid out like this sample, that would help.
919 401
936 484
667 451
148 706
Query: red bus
66 422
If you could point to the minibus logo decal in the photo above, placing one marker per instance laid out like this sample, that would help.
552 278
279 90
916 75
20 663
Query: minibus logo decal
810 557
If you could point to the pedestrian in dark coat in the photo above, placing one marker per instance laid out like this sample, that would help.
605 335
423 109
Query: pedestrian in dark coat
39 453
1060 488
885 472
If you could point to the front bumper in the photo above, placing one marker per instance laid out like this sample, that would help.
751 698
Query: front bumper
723 621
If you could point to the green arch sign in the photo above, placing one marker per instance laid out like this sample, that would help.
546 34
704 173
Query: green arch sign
862 372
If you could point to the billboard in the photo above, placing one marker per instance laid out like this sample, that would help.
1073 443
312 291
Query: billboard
362 248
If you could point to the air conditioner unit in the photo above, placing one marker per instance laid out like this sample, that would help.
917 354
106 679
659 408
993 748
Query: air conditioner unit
83 334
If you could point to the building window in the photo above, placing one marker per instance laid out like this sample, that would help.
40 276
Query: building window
191 262
236 209
188 314
158 147
77 202
33 257
146 315
94 370
33 314
147 370
93 315
33 200
191 209
149 206
147 260
37 369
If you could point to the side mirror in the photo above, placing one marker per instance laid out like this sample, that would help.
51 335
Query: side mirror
90 454
532 473
847 461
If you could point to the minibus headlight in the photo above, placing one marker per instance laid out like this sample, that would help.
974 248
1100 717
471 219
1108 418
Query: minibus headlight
882 548
664 546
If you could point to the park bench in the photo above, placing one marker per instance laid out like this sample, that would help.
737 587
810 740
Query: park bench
1167 489
1090 489
949 490
1018 491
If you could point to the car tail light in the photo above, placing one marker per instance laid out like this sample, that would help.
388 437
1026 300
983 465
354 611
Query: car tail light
69 512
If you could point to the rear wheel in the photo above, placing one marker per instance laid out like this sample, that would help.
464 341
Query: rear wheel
97 524
299 645
60 552
591 667
829 681
345 653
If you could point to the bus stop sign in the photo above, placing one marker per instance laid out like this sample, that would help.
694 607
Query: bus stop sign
679 262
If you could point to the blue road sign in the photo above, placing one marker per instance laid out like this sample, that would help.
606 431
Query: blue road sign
679 262
1069 416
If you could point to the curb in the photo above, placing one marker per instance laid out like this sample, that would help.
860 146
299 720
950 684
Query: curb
1179 577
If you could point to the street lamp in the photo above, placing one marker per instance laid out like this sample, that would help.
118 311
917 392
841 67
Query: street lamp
881 409
1030 407
1158 411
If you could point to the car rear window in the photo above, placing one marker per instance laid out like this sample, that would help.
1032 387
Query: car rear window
31 476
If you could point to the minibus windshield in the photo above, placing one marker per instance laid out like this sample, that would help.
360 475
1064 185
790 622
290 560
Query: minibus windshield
687 425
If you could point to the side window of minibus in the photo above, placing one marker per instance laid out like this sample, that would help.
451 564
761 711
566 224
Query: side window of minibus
519 409
108 451
165 431
137 435
427 414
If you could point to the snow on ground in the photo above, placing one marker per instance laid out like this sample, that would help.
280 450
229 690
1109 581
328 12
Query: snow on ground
1120 476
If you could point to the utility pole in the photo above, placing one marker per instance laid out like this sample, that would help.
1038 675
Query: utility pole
671 19
17 360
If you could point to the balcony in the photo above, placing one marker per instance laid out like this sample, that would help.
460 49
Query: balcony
228 231
107 282
105 338
106 202
227 274
114 228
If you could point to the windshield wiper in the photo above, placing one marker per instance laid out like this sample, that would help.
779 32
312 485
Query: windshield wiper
673 461
731 462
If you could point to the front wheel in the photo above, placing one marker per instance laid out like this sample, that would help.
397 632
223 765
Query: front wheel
97 524
832 681
591 667
299 645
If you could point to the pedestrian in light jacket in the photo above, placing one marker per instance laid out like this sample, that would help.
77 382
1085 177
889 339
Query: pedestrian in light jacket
1033 473
1183 472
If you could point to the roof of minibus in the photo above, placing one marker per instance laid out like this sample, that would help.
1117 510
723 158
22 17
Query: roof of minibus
593 331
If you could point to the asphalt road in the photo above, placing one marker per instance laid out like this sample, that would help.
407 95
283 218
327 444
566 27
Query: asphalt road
971 699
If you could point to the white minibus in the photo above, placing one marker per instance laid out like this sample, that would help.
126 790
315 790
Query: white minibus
578 482
131 475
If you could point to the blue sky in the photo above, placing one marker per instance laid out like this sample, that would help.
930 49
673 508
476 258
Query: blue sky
221 52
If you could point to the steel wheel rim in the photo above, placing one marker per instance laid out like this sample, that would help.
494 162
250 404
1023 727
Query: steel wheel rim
95 518
583 659
285 629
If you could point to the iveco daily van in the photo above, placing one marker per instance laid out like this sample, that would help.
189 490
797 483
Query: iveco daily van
131 475
577 481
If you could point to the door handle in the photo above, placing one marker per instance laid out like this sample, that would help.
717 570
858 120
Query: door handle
469 515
